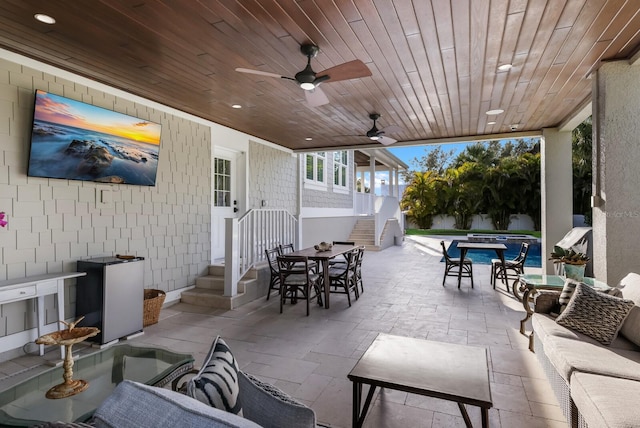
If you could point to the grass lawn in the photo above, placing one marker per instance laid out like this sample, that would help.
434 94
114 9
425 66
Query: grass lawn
457 232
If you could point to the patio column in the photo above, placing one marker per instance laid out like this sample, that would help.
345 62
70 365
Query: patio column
392 182
616 176
557 189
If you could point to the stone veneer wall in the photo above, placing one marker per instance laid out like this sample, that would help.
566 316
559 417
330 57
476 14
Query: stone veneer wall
273 177
312 198
53 223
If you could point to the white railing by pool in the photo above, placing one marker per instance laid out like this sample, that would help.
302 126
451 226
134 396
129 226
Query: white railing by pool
247 238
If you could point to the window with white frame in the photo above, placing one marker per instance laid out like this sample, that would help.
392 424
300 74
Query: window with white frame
340 169
315 169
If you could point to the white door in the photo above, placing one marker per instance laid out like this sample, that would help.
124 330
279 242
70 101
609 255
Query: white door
224 203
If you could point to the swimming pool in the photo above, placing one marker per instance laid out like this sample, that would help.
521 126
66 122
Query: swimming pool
483 257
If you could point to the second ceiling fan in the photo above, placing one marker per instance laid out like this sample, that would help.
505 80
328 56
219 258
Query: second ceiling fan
309 80
378 135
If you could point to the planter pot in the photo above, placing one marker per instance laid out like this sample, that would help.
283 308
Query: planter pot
574 271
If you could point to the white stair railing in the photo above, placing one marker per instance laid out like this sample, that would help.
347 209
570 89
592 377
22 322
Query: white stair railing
247 238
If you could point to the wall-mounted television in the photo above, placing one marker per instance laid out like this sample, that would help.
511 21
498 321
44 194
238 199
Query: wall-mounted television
78 141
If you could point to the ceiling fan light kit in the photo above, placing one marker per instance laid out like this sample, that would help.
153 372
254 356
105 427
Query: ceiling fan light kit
309 80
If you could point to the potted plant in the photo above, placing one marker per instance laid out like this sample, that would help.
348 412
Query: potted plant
573 262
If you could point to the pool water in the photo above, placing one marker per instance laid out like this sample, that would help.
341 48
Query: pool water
483 257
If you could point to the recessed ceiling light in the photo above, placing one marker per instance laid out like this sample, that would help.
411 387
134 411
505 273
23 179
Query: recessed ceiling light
505 67
496 111
491 123
236 106
308 139
44 18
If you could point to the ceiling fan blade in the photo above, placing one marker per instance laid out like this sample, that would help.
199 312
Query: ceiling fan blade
387 141
316 97
349 70
260 73
391 129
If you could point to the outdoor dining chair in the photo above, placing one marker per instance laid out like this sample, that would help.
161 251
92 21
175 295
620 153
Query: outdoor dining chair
515 266
272 259
456 267
296 281
288 248
358 268
342 278
342 260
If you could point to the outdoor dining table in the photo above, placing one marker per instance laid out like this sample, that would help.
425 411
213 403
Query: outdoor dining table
464 247
323 257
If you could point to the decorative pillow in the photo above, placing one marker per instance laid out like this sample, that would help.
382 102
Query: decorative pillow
595 314
216 384
567 292
134 405
631 290
269 407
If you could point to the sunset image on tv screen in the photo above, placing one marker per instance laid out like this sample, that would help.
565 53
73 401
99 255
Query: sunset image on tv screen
78 141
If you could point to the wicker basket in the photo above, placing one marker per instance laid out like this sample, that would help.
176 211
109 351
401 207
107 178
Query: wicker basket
153 300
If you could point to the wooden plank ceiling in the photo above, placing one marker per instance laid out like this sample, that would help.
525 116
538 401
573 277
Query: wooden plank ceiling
434 63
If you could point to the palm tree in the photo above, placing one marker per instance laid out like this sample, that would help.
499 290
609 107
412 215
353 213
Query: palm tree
419 198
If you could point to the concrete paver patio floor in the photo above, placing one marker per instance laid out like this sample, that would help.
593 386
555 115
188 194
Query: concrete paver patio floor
310 357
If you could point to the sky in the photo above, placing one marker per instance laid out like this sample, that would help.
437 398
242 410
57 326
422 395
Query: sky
407 155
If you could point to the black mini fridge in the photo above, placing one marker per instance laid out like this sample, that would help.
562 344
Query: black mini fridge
111 296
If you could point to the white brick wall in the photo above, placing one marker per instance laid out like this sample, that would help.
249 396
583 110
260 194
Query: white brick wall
53 223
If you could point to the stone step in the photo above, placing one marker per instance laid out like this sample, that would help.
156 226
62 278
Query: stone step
214 298
214 282
218 270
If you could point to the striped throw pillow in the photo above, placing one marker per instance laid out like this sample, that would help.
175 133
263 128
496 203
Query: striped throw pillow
216 384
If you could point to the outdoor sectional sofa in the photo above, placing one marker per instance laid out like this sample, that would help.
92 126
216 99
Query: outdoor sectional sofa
597 385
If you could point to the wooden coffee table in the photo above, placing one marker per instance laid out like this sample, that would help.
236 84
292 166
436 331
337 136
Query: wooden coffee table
448 371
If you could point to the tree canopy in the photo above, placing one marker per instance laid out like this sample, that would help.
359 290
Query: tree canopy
497 178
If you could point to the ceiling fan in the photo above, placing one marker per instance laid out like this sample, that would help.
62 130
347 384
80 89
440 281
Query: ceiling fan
378 135
309 80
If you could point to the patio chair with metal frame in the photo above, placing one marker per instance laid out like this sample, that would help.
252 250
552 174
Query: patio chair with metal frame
343 259
516 266
272 259
295 278
358 268
456 267
342 278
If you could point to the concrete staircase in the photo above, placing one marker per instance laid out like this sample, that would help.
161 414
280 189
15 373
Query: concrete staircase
209 289
363 233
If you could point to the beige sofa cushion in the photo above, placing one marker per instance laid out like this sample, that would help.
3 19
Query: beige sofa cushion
630 329
606 401
569 355
545 325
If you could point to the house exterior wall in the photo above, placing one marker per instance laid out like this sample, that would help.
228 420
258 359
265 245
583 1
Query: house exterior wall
312 198
53 223
616 216
273 177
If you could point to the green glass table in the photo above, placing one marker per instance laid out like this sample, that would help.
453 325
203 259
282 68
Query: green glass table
25 404
531 283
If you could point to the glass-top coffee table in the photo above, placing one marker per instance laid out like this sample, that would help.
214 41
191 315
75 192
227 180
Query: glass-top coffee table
25 404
